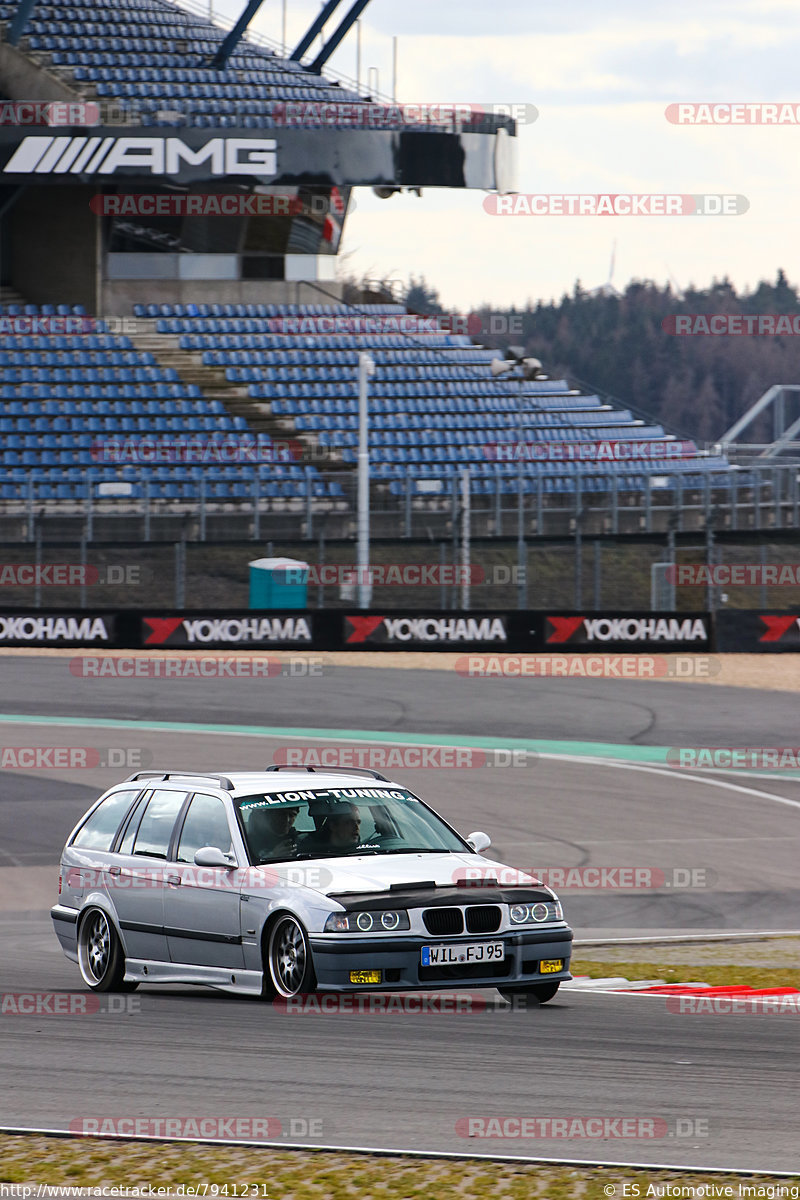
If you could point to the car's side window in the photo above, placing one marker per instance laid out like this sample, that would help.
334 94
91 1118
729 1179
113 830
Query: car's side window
128 832
155 829
206 824
98 832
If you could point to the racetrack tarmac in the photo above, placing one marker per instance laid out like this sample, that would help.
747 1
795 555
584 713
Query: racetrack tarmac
637 712
404 1079
717 1090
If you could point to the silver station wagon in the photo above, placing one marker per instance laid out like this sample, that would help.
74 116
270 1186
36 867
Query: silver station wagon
282 882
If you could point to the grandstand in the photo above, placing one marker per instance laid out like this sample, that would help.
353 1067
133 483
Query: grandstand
207 356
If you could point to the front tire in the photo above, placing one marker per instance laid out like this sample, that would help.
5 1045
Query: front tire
289 967
101 958
542 992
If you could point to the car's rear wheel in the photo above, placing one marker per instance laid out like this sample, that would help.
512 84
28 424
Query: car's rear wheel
100 955
289 964
538 991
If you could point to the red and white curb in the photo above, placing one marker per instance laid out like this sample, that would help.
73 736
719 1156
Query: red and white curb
694 998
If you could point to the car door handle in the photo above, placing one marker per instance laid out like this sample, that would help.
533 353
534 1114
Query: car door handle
115 870
175 879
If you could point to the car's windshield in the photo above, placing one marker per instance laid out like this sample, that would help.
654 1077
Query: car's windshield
332 822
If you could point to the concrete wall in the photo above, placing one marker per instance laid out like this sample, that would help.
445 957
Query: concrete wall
120 296
22 79
53 249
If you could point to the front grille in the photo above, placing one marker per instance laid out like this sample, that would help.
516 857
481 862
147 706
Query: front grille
443 920
483 918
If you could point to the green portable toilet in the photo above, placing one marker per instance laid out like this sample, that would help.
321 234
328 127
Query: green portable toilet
278 583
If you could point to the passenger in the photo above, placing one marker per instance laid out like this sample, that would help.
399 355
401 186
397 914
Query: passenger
272 834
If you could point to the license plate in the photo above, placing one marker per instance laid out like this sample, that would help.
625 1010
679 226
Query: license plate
462 952
366 976
548 965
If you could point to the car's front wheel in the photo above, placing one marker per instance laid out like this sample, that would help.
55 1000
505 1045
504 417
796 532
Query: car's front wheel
289 964
100 955
542 992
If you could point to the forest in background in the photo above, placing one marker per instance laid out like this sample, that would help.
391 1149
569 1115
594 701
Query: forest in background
616 342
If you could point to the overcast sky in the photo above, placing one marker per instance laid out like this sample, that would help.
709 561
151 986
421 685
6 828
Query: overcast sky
601 76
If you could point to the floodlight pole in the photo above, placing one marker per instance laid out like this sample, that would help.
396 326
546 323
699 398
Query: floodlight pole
466 522
522 549
366 367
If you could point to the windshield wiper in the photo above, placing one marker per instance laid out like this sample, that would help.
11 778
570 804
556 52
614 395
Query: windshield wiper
417 850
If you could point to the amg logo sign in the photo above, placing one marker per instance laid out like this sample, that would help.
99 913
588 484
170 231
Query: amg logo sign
42 155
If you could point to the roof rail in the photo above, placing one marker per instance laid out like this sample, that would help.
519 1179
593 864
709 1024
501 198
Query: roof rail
332 771
222 780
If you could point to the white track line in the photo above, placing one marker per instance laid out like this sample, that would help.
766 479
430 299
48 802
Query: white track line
386 1152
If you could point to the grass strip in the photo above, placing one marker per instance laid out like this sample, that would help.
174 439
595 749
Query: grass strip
323 1175
718 975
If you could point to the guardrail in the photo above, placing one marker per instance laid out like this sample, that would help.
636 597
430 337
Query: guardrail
600 503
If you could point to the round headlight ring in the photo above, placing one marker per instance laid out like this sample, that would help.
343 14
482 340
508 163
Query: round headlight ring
519 914
390 920
364 921
540 912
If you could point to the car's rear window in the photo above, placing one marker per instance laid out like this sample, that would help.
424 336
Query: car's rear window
98 832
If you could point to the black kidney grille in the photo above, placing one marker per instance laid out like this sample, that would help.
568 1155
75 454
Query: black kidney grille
483 918
443 920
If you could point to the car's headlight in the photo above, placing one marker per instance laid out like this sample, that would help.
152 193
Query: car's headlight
536 914
368 922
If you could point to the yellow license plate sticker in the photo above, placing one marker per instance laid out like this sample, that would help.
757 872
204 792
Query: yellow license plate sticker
366 976
549 965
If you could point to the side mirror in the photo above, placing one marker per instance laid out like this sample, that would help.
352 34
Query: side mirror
212 856
479 841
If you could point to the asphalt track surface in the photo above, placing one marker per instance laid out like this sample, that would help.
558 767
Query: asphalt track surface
720 1088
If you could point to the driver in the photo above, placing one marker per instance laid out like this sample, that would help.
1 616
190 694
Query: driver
344 828
340 832
272 833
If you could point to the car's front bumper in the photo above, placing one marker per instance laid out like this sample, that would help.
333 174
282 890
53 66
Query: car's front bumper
398 958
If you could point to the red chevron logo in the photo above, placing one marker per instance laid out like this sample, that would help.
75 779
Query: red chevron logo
776 627
563 628
361 628
161 628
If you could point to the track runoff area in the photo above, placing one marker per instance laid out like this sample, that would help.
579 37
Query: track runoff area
634 817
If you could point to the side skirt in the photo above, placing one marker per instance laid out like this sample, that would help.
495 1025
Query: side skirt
241 982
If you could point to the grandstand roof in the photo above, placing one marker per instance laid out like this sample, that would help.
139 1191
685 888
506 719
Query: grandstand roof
147 65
